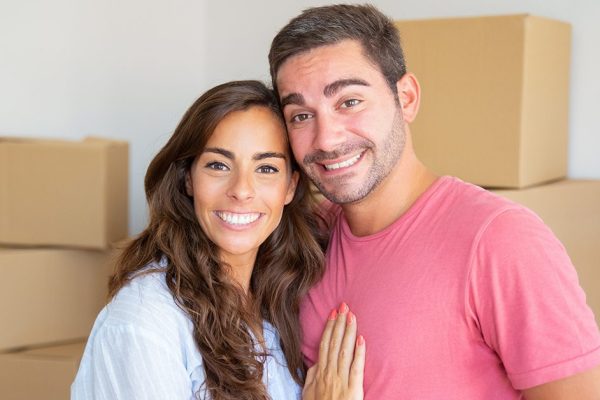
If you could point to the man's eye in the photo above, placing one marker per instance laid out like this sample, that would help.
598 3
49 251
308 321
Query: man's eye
267 169
217 166
350 103
300 117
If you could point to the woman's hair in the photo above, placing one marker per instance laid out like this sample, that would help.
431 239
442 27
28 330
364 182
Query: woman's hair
226 320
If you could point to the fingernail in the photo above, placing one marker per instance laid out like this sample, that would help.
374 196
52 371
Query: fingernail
333 314
350 318
343 308
361 340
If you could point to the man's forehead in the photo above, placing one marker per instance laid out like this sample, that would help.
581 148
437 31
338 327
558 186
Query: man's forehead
323 66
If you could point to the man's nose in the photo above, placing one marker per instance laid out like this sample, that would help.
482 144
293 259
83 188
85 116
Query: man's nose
329 133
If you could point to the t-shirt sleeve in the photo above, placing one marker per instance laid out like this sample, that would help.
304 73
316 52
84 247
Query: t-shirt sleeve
526 298
127 362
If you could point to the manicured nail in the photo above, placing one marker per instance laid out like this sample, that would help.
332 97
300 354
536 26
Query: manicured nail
333 314
361 340
350 318
343 308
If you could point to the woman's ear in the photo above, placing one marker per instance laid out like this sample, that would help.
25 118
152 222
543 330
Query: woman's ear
292 187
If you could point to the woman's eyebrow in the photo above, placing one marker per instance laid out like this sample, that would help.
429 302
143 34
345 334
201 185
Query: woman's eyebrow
219 150
255 157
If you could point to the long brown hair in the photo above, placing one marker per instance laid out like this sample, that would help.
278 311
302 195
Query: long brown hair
225 321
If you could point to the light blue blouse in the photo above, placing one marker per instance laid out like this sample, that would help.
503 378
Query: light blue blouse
141 347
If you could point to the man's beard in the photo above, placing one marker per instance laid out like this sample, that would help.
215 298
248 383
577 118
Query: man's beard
385 159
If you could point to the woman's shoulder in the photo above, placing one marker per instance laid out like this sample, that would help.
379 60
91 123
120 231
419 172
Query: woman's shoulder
145 303
143 314
141 339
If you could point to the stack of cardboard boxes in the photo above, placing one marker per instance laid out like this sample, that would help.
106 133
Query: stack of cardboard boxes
494 112
62 206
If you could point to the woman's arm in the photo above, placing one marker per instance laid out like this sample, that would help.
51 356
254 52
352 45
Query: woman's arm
338 375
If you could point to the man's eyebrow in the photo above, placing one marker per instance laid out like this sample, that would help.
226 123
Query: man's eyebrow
334 87
219 150
268 154
292 98
330 90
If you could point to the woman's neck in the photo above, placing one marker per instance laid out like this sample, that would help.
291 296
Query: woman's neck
241 268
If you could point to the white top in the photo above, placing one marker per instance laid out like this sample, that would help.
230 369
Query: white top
141 347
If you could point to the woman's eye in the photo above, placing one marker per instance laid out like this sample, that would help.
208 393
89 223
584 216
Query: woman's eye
350 103
300 117
217 166
267 169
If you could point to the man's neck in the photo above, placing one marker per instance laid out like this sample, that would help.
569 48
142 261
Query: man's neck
391 198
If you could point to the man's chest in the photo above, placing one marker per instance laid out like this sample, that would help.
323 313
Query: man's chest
411 310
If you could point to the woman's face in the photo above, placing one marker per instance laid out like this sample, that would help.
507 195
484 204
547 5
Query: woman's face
241 182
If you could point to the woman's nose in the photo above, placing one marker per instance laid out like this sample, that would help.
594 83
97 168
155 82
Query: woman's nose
242 187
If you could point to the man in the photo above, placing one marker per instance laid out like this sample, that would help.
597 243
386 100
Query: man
458 293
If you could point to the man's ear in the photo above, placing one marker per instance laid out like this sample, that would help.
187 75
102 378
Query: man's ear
409 94
189 187
292 187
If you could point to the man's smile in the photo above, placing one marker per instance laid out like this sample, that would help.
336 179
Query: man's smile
344 163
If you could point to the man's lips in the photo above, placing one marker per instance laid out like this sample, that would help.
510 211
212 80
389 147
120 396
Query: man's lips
345 163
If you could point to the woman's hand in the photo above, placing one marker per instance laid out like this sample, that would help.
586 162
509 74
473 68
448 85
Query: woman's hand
338 375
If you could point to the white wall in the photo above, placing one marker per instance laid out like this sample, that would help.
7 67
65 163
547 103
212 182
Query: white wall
128 69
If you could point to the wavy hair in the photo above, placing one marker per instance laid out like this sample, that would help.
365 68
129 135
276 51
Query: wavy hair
226 320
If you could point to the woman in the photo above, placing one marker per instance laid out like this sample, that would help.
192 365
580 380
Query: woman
204 301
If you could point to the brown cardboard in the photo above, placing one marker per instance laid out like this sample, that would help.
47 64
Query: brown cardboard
43 373
63 193
571 208
494 106
50 295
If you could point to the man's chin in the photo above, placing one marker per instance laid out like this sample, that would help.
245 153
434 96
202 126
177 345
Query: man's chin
343 197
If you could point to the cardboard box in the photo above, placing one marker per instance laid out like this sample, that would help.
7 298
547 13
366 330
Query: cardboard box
44 373
50 295
494 107
571 208
63 193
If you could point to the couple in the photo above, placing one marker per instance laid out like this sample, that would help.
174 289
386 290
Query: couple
227 294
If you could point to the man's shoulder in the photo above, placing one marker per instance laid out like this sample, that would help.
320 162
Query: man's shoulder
472 194
462 198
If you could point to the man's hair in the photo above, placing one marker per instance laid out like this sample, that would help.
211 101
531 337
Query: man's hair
321 26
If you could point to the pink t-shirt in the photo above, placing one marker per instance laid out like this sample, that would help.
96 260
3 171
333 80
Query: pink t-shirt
466 296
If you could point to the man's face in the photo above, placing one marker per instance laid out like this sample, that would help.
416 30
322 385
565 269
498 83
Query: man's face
344 123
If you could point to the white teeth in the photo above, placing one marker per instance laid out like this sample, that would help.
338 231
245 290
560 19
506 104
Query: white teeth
343 164
237 219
